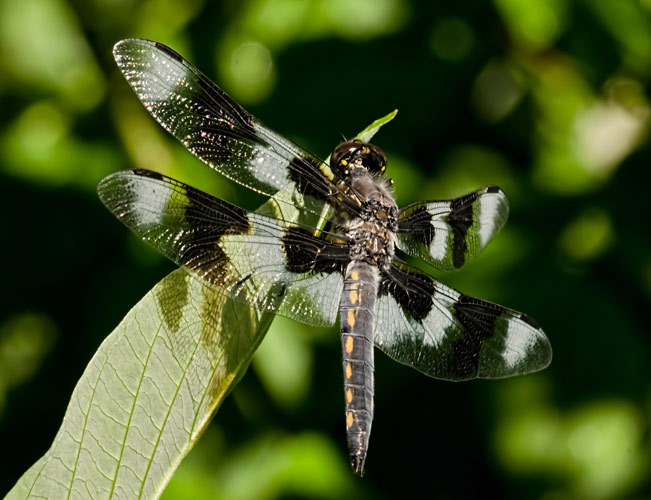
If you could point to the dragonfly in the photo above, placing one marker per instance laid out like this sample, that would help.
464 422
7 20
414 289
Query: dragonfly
341 255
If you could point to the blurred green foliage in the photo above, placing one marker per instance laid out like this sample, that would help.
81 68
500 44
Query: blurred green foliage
547 98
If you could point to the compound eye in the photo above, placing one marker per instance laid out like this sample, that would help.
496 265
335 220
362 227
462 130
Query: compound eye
378 158
342 154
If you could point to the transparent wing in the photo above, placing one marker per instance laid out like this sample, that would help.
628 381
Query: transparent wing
451 336
220 132
267 263
447 234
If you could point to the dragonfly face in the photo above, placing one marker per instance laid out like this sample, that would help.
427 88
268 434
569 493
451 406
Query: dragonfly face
350 267
350 156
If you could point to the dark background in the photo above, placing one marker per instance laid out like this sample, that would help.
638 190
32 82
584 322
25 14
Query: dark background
548 99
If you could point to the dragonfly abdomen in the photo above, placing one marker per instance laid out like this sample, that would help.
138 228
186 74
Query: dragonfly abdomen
357 312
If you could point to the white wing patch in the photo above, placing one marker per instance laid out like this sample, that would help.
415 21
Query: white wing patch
492 212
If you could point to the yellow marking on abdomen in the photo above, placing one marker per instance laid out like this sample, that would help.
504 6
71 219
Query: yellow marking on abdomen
354 275
349 419
351 318
354 296
349 344
349 370
349 395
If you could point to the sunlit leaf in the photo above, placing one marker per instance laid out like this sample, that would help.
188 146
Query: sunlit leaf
147 394
367 134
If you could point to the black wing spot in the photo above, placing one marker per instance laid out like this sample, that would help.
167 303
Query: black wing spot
478 320
307 253
460 219
202 217
493 189
477 316
301 173
411 290
209 219
422 230
209 262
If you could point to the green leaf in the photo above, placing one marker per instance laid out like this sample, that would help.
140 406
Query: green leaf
151 389
148 394
367 134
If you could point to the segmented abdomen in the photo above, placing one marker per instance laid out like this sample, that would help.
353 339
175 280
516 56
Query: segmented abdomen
357 318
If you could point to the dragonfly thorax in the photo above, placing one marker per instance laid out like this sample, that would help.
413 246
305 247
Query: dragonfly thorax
371 242
372 233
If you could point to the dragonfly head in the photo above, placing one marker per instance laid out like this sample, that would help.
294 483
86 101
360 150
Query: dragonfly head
354 155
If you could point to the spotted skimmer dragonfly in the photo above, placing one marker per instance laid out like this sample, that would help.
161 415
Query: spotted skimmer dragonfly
347 262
